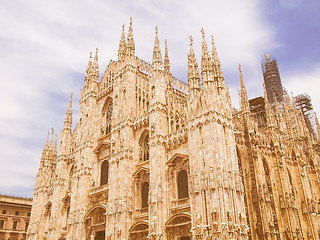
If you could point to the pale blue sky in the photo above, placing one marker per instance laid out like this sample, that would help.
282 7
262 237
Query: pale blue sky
45 45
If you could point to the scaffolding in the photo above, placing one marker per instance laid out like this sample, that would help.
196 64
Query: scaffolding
303 103
272 79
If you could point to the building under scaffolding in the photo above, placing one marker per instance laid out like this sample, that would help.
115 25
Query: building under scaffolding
272 79
257 109
303 102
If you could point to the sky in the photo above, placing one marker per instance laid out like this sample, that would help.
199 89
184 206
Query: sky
45 45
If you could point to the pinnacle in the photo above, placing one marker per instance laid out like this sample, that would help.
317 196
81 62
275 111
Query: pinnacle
216 61
157 58
206 65
204 45
241 77
193 70
96 56
122 45
70 102
68 117
130 41
191 53
214 50
244 102
166 60
90 60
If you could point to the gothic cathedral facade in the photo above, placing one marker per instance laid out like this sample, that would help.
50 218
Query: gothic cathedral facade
152 157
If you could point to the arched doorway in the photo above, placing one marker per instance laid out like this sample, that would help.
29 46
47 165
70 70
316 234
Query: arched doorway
178 227
139 231
95 223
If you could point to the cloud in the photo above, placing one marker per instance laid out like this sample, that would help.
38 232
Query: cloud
44 49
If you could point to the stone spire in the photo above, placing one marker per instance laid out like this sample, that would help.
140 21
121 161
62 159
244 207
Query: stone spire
216 65
96 67
130 41
244 102
206 65
88 70
68 117
45 151
166 60
157 58
193 70
122 46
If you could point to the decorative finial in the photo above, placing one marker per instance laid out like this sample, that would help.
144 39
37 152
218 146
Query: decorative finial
240 67
131 21
156 30
123 26
90 55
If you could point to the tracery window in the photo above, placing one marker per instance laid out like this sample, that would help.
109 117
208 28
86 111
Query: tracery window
104 172
144 194
109 118
183 191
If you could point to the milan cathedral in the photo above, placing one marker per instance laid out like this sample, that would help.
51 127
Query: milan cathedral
152 157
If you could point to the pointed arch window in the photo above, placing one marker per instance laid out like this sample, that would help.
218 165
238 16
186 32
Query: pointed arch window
48 208
183 191
104 173
144 195
109 117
